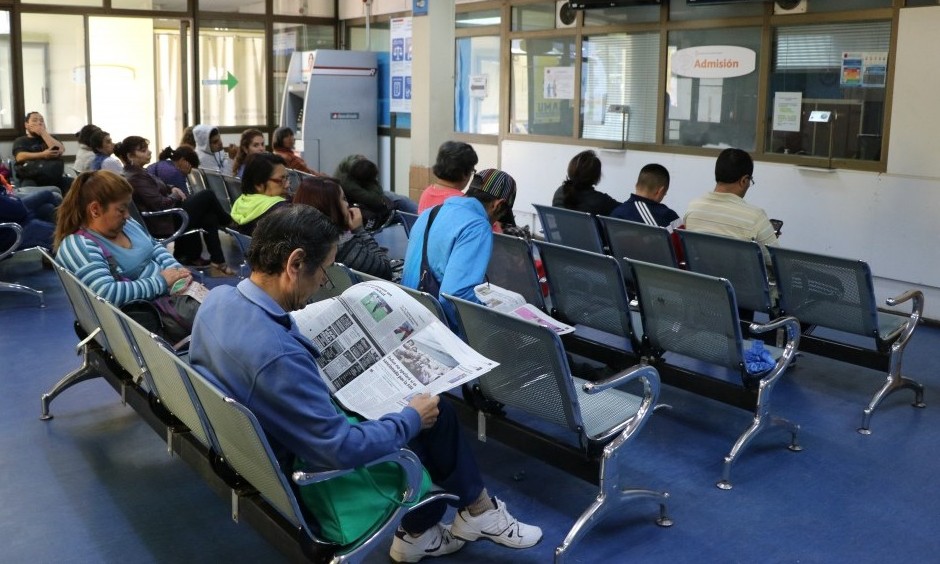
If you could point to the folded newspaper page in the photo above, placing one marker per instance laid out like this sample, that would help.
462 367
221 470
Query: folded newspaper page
507 301
379 347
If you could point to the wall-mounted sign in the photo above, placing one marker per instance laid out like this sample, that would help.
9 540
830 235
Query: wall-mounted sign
714 61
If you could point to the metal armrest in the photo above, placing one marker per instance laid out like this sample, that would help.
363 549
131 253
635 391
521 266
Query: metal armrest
16 244
792 327
917 309
408 461
650 379
184 223
624 376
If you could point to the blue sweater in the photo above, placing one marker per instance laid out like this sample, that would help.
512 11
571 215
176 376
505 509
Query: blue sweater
248 346
141 264
459 249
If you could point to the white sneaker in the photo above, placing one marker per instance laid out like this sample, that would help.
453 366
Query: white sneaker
436 541
496 525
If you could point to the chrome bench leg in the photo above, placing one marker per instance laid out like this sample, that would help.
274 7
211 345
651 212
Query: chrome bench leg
609 496
84 372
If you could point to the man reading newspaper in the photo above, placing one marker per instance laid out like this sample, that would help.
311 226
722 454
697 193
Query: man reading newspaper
246 342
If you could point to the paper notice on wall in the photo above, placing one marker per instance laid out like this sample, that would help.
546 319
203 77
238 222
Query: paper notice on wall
787 111
558 83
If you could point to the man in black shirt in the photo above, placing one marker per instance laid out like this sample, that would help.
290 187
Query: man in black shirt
39 156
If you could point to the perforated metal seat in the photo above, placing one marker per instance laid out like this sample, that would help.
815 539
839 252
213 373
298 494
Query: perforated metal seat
512 267
838 293
696 316
638 241
216 183
741 262
570 228
245 448
533 377
587 290
164 372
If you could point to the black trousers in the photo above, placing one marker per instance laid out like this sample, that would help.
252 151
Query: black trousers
205 213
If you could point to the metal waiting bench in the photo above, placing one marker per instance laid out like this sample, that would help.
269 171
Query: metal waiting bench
837 293
570 228
214 434
694 316
534 378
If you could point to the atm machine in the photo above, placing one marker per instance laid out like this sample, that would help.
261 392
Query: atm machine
331 103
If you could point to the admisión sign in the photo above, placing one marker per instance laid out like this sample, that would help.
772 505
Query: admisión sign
714 61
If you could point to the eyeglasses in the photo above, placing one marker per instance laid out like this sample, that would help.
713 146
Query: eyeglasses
753 182
278 179
329 281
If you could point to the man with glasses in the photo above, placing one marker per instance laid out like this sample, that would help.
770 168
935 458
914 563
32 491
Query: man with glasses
724 211
246 343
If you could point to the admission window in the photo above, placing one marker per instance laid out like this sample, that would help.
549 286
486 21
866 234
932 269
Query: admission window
619 78
232 73
840 69
711 87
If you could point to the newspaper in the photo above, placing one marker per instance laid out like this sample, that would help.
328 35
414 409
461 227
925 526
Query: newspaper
379 347
507 301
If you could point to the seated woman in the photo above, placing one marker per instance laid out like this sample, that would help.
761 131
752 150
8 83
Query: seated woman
252 143
174 167
577 191
96 240
264 187
453 169
357 249
84 154
103 150
282 143
359 178
151 194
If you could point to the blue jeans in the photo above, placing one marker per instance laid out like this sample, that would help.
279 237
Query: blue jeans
446 454
401 203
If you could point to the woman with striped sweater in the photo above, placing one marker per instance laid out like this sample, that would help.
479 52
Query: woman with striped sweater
96 240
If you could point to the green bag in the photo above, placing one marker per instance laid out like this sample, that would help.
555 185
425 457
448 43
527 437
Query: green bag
349 507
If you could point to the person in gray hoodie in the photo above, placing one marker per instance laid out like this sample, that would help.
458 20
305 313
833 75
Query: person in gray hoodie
212 155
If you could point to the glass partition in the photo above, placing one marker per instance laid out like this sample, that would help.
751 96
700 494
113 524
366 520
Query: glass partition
619 82
477 69
711 87
232 73
835 68
543 86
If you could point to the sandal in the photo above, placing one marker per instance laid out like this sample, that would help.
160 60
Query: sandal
219 269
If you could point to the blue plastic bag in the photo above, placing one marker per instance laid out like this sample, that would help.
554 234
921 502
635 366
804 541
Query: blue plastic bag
757 359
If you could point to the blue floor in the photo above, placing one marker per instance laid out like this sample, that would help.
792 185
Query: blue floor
95 484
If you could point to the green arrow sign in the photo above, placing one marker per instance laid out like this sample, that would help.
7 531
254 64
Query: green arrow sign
230 81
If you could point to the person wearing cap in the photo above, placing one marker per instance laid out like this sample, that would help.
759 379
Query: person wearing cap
460 240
